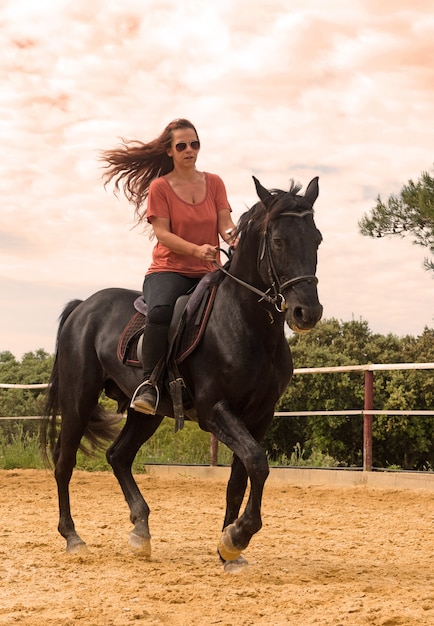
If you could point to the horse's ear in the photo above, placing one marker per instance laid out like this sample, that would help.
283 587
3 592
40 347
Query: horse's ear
312 191
263 193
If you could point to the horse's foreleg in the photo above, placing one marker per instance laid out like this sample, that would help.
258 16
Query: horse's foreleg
235 491
138 429
232 432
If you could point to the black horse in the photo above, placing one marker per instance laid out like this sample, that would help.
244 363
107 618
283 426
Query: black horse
235 375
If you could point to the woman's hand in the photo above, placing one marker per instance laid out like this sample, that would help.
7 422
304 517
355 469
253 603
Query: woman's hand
206 252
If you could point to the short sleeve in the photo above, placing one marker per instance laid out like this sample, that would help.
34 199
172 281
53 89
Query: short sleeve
219 192
158 203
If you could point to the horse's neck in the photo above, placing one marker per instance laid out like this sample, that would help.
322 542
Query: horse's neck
258 316
244 266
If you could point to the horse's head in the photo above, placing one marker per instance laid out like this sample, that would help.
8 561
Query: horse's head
287 256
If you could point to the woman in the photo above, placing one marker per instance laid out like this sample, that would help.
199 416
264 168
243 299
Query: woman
187 210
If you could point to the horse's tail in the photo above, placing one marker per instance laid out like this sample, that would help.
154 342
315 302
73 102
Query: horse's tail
101 427
48 430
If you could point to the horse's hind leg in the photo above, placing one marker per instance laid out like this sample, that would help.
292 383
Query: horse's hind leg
64 457
80 413
120 455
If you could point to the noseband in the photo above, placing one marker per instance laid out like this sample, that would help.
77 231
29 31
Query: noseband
276 287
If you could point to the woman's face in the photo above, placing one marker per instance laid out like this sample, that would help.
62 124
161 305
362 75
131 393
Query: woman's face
184 147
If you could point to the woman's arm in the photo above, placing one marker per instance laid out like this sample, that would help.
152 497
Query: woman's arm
226 227
161 228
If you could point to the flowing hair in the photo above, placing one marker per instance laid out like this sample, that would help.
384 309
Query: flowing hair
134 165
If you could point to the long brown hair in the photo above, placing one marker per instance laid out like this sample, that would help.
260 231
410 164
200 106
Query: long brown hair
134 164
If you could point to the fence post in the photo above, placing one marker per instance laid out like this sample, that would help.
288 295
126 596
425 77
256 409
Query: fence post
367 421
213 450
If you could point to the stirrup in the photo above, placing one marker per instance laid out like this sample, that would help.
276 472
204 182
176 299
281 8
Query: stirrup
157 392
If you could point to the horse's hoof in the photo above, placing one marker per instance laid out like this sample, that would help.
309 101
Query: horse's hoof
235 567
77 547
226 548
140 545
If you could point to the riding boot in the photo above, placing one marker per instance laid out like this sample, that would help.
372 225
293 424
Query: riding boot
147 394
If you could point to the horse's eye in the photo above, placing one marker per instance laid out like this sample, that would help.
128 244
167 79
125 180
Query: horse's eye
277 243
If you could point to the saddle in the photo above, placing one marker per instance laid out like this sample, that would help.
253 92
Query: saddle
187 325
189 320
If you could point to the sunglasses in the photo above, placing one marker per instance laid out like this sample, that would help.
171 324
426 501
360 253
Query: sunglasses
181 146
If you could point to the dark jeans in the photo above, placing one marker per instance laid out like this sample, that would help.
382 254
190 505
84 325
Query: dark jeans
160 292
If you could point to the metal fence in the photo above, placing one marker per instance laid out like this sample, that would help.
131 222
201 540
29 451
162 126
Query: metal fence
368 411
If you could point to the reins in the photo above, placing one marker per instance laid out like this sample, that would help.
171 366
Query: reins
264 294
277 299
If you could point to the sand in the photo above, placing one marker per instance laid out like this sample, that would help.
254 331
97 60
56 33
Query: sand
325 555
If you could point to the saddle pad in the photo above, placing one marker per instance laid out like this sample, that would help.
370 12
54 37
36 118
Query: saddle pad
127 345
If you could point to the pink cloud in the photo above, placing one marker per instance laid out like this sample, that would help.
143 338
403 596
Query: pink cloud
280 90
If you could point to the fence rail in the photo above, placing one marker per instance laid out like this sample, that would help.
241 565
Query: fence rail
13 386
368 411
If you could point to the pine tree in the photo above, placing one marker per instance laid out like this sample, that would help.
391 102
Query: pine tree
411 213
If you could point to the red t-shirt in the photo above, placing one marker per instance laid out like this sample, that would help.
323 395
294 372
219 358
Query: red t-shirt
196 223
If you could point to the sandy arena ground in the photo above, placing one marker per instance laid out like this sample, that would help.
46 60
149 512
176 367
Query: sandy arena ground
326 555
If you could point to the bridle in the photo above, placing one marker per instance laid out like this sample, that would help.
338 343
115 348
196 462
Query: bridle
276 287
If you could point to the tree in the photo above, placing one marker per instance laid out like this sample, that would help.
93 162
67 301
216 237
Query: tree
411 213
35 367
407 441
397 440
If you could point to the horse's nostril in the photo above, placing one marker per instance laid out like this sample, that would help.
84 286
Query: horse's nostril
298 313
306 316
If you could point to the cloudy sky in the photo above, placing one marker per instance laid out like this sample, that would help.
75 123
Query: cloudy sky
279 89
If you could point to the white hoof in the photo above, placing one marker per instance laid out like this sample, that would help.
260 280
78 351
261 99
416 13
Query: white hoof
140 545
80 549
226 548
235 567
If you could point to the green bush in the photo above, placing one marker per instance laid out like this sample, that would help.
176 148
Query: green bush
19 448
401 441
298 459
398 441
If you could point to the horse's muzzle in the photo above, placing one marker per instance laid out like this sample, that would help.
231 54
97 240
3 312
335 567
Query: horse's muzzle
301 318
